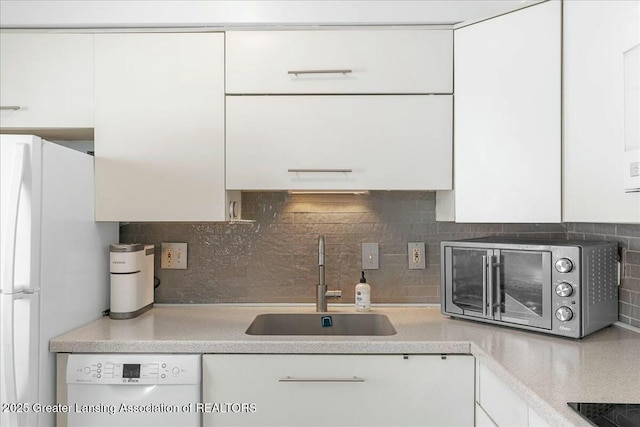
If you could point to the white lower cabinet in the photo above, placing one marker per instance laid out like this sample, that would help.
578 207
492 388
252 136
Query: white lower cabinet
498 405
331 390
482 419
535 420
499 402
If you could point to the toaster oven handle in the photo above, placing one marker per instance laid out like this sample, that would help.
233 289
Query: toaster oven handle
496 302
490 286
484 285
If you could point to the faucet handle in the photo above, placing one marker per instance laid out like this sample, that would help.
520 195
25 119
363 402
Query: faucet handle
321 250
333 294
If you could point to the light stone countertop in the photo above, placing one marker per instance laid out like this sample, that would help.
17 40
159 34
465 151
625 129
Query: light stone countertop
544 370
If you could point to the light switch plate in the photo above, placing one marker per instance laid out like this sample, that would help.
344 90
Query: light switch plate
370 256
174 256
416 256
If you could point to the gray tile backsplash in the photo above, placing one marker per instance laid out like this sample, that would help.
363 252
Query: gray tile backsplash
274 259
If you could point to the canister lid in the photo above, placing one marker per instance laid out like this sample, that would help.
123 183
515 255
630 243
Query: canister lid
125 247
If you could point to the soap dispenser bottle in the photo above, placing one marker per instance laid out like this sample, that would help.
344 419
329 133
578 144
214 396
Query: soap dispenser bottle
363 295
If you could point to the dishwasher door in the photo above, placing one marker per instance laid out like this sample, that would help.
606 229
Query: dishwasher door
133 390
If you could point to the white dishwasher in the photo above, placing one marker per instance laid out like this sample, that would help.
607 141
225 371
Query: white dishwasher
133 390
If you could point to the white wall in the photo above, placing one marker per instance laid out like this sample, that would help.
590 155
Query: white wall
56 14
596 33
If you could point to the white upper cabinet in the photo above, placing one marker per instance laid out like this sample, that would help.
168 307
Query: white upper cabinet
159 134
339 61
601 119
46 80
507 117
339 142
356 110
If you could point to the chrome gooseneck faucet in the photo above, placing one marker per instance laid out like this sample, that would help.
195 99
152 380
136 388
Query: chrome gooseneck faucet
321 289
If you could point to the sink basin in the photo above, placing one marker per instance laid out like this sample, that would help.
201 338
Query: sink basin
321 324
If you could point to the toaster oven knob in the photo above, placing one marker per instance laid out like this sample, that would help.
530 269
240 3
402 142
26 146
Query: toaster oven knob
564 289
564 265
564 314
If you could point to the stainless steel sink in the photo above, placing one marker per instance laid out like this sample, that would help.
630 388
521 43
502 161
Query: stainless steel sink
321 324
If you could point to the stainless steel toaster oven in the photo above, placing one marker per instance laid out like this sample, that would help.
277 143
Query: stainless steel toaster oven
567 288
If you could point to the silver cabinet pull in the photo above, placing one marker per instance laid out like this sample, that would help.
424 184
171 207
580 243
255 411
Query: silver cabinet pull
296 72
10 107
321 170
321 380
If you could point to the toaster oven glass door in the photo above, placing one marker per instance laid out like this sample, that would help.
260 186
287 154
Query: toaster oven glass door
512 286
467 282
523 283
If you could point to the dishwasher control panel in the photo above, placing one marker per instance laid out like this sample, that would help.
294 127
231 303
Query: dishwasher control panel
134 369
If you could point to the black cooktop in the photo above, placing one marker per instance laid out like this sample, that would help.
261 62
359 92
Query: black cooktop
609 414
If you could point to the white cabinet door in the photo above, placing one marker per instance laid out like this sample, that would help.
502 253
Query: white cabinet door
46 80
536 420
384 142
507 117
599 118
482 419
332 390
498 401
339 61
159 134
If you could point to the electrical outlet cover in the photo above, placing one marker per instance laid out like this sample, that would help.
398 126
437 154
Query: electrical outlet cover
416 256
174 256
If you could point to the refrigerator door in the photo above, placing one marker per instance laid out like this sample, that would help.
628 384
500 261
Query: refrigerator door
75 256
11 205
20 185
18 365
54 264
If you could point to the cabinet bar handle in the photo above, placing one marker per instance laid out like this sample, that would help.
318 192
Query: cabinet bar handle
321 380
10 107
296 72
321 170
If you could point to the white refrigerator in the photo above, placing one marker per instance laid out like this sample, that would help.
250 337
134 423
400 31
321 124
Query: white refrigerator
54 267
